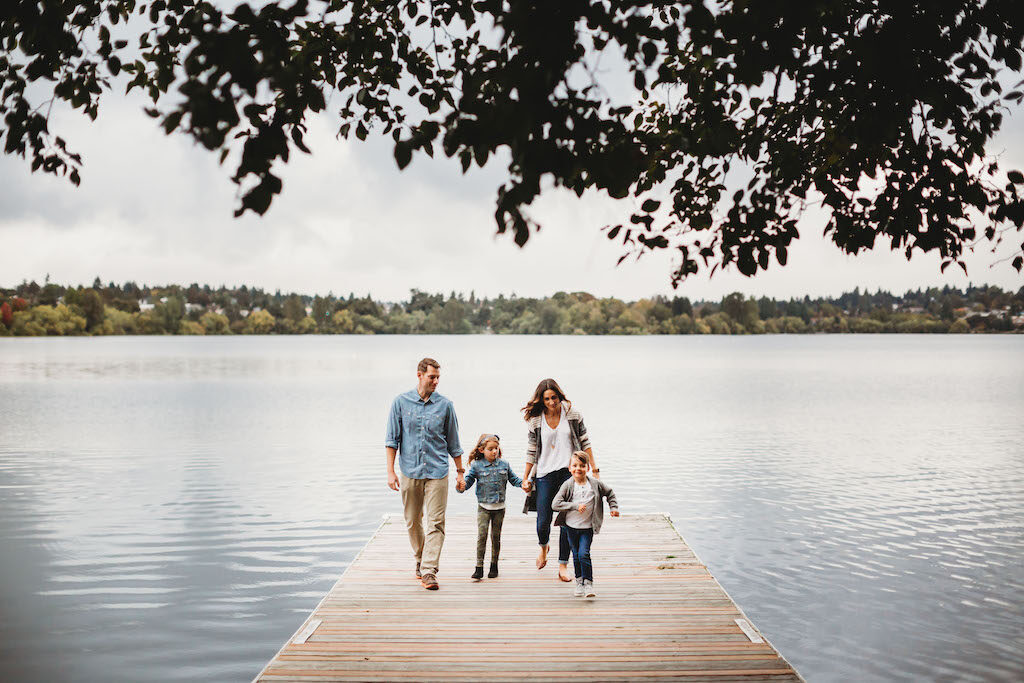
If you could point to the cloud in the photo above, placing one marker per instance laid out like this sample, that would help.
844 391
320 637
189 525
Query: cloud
157 209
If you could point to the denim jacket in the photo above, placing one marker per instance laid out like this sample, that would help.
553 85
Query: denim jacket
491 478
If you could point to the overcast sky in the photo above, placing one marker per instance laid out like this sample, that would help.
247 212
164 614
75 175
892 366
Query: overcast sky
157 210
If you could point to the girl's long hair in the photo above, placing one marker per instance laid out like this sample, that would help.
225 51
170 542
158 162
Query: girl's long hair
535 406
478 450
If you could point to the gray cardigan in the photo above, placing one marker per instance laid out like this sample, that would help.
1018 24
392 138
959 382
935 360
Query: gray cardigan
562 502
577 434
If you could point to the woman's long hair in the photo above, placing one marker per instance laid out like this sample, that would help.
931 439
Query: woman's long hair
535 406
478 451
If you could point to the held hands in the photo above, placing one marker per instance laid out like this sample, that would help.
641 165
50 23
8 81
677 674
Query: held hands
460 486
526 485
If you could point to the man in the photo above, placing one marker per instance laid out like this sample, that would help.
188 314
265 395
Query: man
422 427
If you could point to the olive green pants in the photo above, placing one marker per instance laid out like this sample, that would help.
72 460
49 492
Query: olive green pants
485 519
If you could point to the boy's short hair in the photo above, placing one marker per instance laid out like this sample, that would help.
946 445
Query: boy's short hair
582 455
427 363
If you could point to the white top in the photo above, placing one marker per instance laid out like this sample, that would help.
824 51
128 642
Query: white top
492 506
555 445
581 493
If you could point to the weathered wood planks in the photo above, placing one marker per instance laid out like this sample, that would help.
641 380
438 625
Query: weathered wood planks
659 615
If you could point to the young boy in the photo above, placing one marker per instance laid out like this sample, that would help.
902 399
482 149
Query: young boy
580 507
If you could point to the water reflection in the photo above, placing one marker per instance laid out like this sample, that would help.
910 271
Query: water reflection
170 509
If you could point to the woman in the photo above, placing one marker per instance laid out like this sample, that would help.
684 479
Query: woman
556 431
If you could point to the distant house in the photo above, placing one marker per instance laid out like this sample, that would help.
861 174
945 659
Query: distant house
146 305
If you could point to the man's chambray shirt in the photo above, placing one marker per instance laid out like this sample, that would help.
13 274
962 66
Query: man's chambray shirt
425 433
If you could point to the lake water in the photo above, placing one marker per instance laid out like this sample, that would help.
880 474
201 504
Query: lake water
172 508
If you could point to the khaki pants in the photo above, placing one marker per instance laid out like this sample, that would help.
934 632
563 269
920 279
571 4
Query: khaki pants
425 497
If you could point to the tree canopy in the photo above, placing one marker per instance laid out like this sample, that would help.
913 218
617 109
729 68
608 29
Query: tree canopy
738 116
55 310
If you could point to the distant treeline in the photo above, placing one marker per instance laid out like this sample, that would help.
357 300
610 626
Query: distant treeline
31 309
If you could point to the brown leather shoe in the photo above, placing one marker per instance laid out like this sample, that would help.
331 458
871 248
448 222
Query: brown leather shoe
429 581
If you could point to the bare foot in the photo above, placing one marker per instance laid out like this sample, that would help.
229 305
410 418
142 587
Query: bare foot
542 559
563 573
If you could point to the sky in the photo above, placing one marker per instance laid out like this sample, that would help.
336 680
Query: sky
157 209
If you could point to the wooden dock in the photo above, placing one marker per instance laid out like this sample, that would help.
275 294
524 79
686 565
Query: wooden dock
658 615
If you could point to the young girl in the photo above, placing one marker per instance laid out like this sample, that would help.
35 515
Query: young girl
492 475
580 507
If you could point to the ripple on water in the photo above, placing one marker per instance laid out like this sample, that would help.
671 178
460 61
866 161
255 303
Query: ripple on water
171 509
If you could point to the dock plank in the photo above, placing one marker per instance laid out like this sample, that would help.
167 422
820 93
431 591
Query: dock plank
658 615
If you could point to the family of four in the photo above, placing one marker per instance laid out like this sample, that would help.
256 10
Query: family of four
423 433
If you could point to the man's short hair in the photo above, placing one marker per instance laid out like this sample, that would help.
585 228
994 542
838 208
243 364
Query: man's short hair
427 363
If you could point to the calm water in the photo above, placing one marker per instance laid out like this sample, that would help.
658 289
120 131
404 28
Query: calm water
172 508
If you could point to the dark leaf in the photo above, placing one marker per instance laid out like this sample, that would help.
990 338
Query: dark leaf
745 260
403 154
299 142
1013 59
171 121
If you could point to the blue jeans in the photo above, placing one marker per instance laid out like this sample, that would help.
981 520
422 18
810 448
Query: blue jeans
580 540
547 487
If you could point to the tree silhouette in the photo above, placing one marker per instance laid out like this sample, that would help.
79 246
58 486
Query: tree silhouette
740 117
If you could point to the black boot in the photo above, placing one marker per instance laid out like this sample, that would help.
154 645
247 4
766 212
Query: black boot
478 573
493 570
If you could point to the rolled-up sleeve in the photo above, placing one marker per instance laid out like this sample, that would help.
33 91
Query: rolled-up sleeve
452 433
393 435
